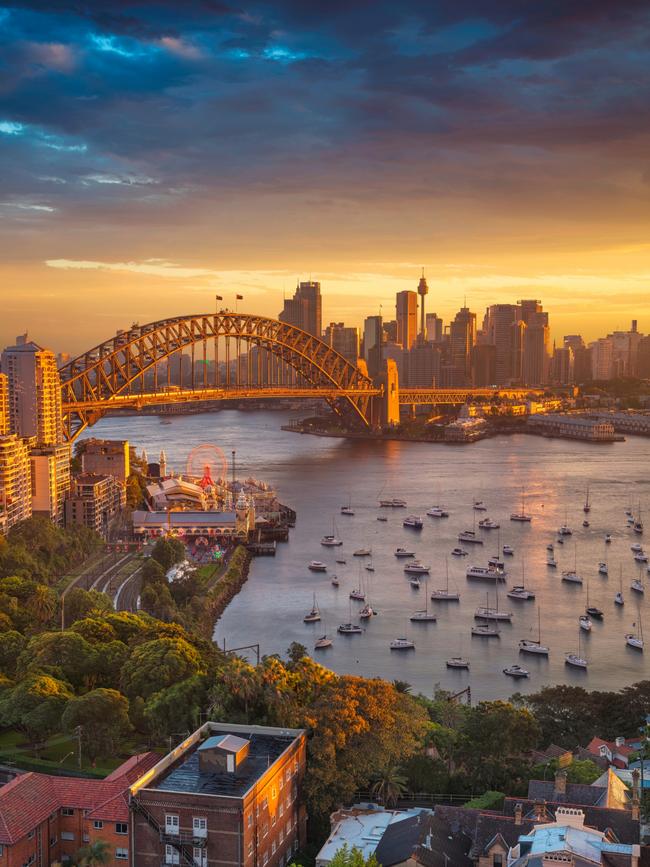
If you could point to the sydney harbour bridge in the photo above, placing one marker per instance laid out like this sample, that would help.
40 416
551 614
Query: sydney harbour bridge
235 356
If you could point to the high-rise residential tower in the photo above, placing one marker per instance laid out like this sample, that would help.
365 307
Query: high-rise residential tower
34 392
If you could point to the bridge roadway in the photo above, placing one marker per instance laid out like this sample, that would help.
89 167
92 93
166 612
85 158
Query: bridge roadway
407 396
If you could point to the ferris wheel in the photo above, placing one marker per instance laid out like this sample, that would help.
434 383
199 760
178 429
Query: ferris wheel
208 463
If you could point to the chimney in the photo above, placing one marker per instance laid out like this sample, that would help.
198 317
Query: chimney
540 811
518 812
620 741
559 787
636 795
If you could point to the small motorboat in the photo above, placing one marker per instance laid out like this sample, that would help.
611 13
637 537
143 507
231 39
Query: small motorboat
488 524
575 660
402 644
416 568
347 510
565 530
571 577
608 539
585 622
317 566
516 671
520 592
459 552
413 522
638 586
560 540
404 552
350 629
479 506
335 581
331 541
469 536
635 641
437 512
508 551
357 594
551 561
457 662
594 612
362 552
415 583
603 569
484 572
618 598
341 562
486 630
322 642
366 612
550 547
641 557
636 547
382 518
369 567
585 523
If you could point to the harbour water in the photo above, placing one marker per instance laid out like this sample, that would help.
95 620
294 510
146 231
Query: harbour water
316 476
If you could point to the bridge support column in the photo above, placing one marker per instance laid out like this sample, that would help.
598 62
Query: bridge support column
386 407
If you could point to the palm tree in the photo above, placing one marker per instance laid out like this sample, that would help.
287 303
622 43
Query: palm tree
389 785
242 681
94 854
43 603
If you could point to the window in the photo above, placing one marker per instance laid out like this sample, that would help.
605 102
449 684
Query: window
295 845
281 808
274 793
53 840
171 855
200 856
250 848
67 811
287 827
121 828
98 824
281 834
250 820
265 804
67 835
30 835
265 829
265 859
122 854
281 782
273 817
199 826
497 859
287 774
273 848
171 827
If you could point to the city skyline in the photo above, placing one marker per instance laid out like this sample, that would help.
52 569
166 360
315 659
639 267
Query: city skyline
157 156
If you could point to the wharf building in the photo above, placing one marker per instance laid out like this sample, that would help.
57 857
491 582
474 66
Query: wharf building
577 427
227 795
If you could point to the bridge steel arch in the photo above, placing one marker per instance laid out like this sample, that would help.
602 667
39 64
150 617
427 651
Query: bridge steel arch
90 381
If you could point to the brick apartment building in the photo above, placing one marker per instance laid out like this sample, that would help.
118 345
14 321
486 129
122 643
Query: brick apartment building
228 795
45 820
94 501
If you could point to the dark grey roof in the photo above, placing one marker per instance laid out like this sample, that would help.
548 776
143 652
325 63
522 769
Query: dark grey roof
576 793
481 827
187 776
398 841
440 847
620 823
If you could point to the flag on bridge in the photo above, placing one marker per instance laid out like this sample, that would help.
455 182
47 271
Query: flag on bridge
239 297
218 298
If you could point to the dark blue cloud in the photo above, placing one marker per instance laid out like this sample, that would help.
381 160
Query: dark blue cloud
140 100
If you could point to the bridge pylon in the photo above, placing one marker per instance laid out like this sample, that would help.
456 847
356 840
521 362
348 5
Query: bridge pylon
385 408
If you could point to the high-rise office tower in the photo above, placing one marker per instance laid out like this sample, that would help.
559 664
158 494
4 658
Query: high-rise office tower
462 337
344 339
422 364
562 366
390 330
34 392
304 310
483 365
423 291
433 328
406 309
536 348
372 340
4 405
498 326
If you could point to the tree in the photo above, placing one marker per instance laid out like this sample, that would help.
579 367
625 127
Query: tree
156 599
176 708
402 686
42 604
389 785
94 854
157 664
565 715
80 603
153 572
295 652
243 683
35 705
12 644
67 652
168 552
346 857
103 715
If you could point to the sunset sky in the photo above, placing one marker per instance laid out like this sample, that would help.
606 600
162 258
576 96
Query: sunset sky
153 154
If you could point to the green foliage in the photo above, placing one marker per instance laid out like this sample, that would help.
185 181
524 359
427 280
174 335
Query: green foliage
135 490
155 665
67 653
577 772
12 644
168 552
489 800
156 599
346 857
38 549
94 854
103 715
79 603
153 572
35 705
176 708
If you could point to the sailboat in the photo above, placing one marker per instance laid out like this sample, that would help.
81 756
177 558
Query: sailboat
357 593
603 568
635 639
521 516
331 540
484 612
591 610
314 614
527 645
638 524
350 628
367 611
348 510
519 591
446 595
618 598
570 575
469 536
322 642
586 508
576 660
423 615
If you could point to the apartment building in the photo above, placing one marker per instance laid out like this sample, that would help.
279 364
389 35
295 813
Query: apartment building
15 482
94 501
107 457
228 795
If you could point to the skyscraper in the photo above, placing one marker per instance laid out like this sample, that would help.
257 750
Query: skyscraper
406 309
499 330
536 344
433 328
462 337
304 310
372 338
4 405
423 291
344 339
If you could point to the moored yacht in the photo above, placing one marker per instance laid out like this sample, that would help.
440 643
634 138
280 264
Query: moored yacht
486 630
393 502
484 612
366 612
469 536
437 512
585 622
637 547
322 642
331 541
415 582
457 662
347 510
413 522
404 552
362 552
350 629
402 644
565 530
479 506
551 561
516 671
638 586
603 568
358 594
317 566
415 567
520 592
484 572
445 595
508 551
522 516
488 524
314 615
641 557
527 645
575 660
459 552
571 577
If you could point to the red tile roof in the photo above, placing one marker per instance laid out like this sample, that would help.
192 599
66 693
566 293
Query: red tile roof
595 743
30 798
